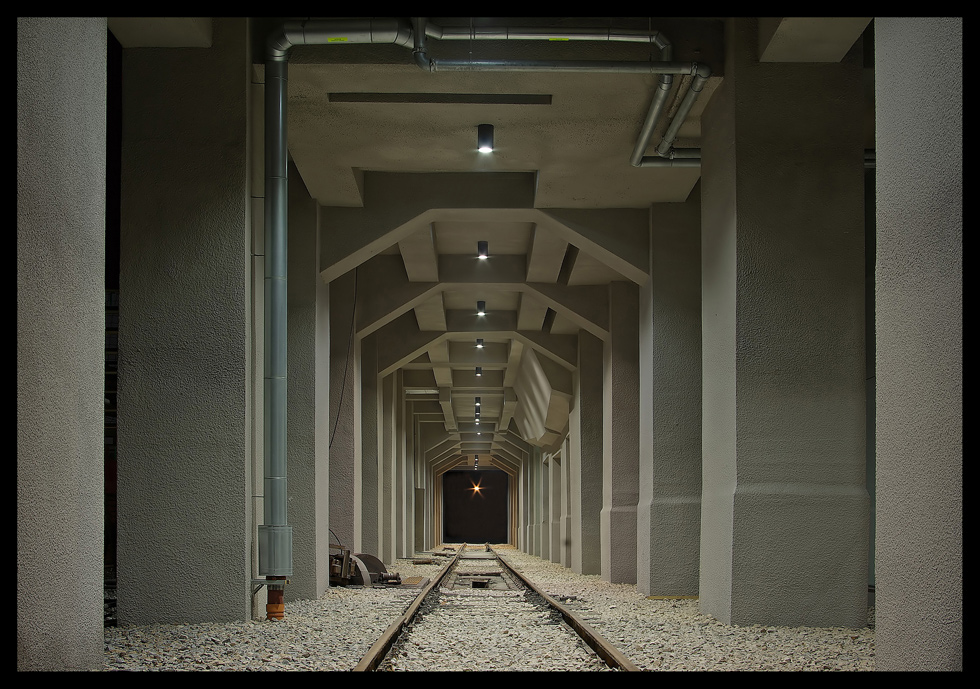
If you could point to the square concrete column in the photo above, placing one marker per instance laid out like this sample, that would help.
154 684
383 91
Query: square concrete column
367 476
554 526
669 510
342 411
585 456
184 482
307 397
784 518
544 511
60 367
620 425
386 459
919 357
565 507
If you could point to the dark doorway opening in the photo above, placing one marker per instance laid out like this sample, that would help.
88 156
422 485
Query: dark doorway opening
475 516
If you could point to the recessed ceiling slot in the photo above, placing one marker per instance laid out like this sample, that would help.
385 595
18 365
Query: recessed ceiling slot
443 98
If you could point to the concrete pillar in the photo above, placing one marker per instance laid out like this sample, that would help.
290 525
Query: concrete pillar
554 516
544 504
404 491
61 183
386 471
620 456
184 480
919 322
669 510
343 375
367 477
585 456
565 525
307 390
784 519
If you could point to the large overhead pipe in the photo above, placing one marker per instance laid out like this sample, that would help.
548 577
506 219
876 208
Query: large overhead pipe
666 156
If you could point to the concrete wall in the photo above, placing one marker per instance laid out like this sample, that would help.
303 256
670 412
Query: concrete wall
61 182
919 376
183 333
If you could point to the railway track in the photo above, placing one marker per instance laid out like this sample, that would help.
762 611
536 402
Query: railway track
480 614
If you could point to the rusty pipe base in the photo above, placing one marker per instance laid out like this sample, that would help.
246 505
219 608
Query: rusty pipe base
275 609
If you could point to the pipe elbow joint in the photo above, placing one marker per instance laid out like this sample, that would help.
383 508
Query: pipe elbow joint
701 70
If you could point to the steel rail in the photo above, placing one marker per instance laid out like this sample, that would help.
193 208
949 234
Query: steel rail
376 654
612 656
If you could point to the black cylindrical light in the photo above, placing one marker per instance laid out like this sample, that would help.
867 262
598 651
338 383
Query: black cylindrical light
479 370
481 308
484 138
482 250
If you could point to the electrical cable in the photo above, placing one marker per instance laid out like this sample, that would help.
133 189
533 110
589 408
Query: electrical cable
350 343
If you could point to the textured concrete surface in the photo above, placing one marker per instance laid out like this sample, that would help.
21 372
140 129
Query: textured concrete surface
789 485
669 508
183 482
919 293
61 183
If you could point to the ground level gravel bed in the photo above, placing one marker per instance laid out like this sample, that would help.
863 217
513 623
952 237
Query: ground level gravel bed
335 631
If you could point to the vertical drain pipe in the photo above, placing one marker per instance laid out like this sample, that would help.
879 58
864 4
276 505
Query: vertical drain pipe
275 535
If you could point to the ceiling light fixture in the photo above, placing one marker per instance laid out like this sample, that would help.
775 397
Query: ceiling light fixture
482 250
479 370
481 308
479 343
484 138
478 401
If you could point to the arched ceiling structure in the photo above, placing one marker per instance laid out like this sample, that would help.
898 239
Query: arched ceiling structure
389 152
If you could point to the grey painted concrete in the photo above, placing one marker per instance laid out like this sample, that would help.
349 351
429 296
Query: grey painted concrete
367 477
919 375
585 455
183 335
343 377
621 435
307 428
61 181
785 519
669 509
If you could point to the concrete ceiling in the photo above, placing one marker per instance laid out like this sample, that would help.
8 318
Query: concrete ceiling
566 213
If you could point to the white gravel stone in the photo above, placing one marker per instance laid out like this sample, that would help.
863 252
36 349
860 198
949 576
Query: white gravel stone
335 631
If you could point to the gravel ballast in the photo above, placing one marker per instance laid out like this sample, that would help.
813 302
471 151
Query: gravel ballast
335 631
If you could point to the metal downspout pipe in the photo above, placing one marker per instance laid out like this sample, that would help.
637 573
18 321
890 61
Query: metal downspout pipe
275 536
667 156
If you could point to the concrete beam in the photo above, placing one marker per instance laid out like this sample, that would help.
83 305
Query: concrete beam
808 39
397 205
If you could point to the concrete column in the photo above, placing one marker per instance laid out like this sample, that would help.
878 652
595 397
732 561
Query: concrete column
585 456
565 526
386 482
669 510
554 517
367 477
61 184
919 322
405 491
544 511
621 433
784 518
184 485
307 390
343 375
